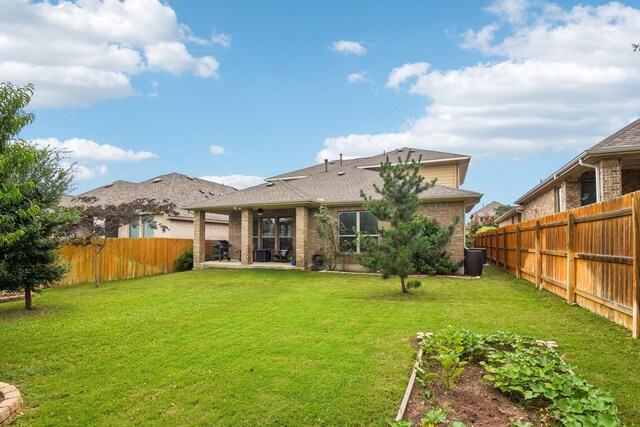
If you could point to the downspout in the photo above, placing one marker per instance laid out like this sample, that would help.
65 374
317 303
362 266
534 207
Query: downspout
595 168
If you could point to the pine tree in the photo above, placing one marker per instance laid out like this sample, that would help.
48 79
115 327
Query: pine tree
393 252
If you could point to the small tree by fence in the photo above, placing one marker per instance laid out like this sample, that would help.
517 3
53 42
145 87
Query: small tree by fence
588 255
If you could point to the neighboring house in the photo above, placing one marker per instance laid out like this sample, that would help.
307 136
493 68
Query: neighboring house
279 214
607 170
174 187
512 216
488 211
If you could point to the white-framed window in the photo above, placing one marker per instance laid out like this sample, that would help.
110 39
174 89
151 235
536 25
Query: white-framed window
354 222
141 227
558 193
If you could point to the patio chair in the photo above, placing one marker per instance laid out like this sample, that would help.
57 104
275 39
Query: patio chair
281 255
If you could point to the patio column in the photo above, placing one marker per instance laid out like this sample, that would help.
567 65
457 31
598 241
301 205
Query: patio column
246 238
302 223
198 238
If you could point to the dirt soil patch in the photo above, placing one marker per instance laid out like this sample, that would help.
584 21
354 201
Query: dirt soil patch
474 401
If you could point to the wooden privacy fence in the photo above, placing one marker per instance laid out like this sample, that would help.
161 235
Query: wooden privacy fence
123 259
587 255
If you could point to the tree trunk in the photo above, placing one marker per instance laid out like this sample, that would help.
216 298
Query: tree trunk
27 298
404 287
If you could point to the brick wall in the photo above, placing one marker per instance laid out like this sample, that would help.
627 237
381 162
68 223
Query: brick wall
572 193
542 205
234 234
443 213
610 178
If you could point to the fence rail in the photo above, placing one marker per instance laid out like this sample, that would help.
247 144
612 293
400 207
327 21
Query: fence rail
588 255
123 259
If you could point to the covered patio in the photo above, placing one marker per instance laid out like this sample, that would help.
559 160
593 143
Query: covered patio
272 237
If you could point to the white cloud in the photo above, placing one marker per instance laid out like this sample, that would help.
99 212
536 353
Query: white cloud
559 80
79 53
360 77
83 173
513 11
401 74
222 39
348 47
87 150
216 150
236 181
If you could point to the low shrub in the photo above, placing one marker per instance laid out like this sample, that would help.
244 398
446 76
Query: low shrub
184 261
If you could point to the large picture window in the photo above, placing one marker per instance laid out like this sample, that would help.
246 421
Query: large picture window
355 222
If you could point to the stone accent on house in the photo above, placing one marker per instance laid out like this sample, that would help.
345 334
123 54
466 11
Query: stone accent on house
302 229
246 238
10 403
610 179
630 180
199 235
542 205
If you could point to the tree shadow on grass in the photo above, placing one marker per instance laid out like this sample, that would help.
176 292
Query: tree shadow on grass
14 311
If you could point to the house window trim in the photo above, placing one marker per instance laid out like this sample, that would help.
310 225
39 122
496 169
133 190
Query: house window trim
341 234
558 199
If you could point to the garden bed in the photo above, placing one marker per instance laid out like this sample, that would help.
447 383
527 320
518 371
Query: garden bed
465 379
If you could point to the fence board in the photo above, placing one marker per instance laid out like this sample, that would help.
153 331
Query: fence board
123 258
588 255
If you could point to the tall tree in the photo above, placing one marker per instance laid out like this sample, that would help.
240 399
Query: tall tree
32 182
392 253
97 222
15 155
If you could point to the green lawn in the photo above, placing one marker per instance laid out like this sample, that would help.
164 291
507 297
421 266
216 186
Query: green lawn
247 347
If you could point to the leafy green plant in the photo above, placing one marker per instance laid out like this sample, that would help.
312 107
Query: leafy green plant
435 417
184 261
413 284
533 375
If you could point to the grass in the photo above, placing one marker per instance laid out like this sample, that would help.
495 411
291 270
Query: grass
230 347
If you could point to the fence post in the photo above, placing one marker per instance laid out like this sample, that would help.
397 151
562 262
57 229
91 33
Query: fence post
518 256
538 256
571 259
505 253
635 227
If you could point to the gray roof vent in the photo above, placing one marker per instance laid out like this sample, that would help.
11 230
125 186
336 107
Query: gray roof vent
202 191
340 173
189 177
270 184
157 180
331 162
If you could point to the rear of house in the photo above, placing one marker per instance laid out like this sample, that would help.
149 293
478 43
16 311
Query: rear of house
279 215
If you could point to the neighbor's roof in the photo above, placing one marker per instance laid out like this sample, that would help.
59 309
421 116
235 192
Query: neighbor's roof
425 156
338 186
508 214
488 209
174 187
624 141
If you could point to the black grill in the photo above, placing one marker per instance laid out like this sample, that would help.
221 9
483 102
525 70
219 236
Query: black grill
221 250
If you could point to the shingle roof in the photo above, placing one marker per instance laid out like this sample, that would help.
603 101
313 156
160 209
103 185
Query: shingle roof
628 136
427 155
488 209
177 188
337 186
626 140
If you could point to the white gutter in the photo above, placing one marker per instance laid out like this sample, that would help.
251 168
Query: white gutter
595 168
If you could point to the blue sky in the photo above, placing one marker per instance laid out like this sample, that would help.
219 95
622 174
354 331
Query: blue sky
240 90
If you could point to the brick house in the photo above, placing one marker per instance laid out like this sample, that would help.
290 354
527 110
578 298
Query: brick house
485 212
174 187
279 214
605 171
